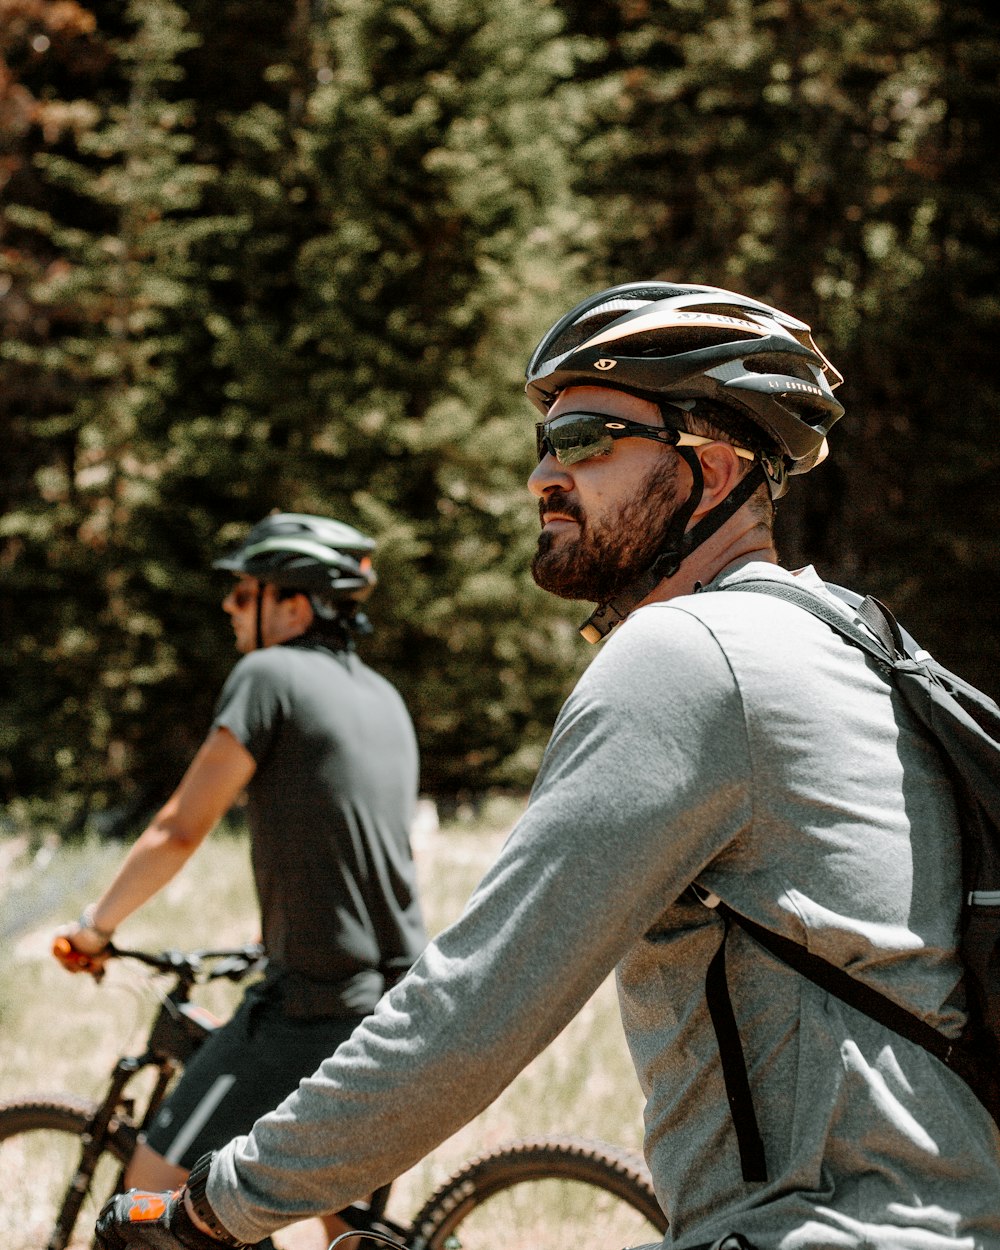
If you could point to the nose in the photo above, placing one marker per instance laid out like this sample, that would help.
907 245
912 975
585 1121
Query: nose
548 475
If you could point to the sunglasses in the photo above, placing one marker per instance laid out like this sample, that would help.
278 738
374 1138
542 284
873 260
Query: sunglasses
243 596
577 436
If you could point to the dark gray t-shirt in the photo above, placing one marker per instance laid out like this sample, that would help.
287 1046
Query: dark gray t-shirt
330 807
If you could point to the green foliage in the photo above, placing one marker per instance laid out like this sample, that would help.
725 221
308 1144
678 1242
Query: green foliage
834 158
436 158
263 256
335 322
88 637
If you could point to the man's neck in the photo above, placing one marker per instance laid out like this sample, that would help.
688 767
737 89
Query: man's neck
733 544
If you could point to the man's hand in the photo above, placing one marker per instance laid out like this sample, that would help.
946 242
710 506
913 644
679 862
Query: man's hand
150 1219
77 951
83 946
140 1217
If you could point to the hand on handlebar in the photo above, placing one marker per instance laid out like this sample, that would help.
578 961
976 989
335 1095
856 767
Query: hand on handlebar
78 950
149 1219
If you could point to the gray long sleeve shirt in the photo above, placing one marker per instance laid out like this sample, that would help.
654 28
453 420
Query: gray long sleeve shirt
732 740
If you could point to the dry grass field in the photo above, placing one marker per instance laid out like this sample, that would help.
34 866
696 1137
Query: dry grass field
62 1034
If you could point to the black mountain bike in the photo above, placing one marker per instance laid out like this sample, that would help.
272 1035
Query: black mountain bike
61 1157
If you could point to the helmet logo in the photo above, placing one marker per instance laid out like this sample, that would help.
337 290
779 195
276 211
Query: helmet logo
793 384
604 364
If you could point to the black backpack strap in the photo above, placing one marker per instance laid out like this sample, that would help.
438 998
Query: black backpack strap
956 1055
961 1055
734 1067
899 659
883 625
847 988
883 652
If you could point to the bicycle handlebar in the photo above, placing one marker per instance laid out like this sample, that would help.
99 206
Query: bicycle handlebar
66 953
231 964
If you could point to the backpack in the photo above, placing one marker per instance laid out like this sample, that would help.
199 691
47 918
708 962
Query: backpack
964 724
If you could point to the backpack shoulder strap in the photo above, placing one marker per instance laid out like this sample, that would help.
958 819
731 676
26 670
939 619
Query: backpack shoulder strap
969 745
962 721
883 625
848 989
955 1054
876 616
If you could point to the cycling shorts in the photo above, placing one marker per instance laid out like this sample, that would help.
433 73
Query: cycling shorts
243 1070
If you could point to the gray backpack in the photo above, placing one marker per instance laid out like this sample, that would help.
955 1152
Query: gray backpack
964 723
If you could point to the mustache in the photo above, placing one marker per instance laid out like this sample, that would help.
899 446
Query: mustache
560 502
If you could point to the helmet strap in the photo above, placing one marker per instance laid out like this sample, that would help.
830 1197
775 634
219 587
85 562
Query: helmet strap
337 625
678 543
258 613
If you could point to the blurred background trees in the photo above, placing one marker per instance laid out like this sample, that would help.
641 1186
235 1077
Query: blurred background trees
258 256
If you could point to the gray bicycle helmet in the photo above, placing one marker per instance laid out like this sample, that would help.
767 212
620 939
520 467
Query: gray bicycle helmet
675 344
670 343
314 554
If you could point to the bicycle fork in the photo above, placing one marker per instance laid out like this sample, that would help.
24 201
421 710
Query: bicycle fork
96 1139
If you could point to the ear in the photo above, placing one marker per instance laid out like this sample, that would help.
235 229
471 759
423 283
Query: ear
721 470
302 611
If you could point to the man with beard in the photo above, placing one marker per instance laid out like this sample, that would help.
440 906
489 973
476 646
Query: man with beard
723 747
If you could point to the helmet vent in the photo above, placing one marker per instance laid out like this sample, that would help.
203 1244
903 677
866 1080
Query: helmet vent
676 340
595 320
780 362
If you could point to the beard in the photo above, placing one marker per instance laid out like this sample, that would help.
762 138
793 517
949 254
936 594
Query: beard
605 556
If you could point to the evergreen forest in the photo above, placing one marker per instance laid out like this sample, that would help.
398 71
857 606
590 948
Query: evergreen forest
259 255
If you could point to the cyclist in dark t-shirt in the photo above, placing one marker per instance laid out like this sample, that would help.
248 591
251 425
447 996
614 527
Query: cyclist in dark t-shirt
326 751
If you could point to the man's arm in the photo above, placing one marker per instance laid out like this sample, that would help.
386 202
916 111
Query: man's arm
218 773
643 784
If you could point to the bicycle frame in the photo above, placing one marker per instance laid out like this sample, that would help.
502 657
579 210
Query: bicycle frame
178 1030
94 1144
95 1139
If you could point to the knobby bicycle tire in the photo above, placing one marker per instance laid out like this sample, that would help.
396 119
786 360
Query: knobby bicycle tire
40 1144
548 1193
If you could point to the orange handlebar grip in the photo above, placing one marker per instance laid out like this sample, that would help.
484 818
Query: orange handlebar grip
64 950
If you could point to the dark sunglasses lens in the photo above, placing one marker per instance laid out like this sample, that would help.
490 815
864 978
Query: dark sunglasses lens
574 437
243 596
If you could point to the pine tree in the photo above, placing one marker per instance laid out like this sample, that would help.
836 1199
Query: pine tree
106 263
335 322
831 158
379 351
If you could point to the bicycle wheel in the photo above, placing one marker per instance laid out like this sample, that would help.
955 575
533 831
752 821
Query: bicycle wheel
40 1144
536 1194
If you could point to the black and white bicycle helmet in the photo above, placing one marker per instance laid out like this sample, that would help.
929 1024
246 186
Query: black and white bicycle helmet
670 342
675 344
324 559
314 554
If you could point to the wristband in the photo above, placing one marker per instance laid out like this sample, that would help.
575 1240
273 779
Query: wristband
86 921
197 1183
184 1230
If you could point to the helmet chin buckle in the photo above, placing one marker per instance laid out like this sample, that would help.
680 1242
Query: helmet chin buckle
601 622
603 619
667 563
